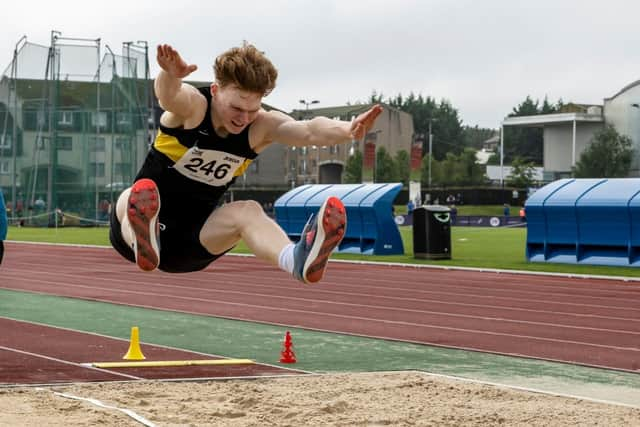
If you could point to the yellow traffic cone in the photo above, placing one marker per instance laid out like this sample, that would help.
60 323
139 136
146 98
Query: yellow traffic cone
134 352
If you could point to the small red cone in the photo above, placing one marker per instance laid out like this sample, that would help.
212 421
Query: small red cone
287 355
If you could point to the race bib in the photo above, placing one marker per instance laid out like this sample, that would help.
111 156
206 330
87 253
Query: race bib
211 167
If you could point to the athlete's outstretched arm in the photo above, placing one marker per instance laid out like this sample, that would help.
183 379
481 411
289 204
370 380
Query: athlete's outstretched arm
322 130
173 95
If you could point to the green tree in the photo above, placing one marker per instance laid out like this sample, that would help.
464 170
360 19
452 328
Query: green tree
607 156
385 167
474 173
521 173
353 169
454 170
401 165
475 136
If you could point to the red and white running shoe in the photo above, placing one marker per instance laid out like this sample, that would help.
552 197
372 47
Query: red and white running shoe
143 207
320 236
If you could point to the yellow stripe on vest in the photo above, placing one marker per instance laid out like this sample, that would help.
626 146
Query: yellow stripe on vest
169 146
243 167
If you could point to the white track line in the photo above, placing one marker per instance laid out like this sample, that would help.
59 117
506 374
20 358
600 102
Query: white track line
67 362
531 390
144 343
340 316
399 264
142 420
368 306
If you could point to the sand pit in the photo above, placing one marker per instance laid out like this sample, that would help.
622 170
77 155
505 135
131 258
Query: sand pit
366 399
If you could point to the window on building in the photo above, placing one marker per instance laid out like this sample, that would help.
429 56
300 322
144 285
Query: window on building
123 118
99 119
96 169
41 118
122 169
65 118
254 166
5 141
122 143
64 143
42 142
4 167
96 144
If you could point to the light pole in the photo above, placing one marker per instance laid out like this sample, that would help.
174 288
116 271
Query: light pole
306 149
307 103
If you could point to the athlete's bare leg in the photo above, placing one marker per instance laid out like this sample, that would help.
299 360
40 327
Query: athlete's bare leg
243 220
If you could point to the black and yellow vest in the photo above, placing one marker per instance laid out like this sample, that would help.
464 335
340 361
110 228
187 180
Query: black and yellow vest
197 162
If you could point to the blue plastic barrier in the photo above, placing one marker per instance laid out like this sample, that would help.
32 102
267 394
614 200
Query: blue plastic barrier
371 228
585 221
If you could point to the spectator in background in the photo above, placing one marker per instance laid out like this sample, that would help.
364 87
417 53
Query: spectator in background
506 211
410 207
454 214
103 209
40 204
523 215
450 199
3 225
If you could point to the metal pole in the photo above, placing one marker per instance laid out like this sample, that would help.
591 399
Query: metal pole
573 145
96 197
53 104
111 180
501 155
306 149
14 136
430 151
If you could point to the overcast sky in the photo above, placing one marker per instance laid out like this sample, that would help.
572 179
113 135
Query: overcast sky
484 56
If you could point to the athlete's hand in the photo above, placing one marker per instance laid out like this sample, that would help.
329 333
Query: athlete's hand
171 62
364 122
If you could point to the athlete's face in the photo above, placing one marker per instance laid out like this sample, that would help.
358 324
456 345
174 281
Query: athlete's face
234 108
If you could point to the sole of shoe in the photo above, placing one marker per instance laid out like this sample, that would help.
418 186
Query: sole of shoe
142 211
332 224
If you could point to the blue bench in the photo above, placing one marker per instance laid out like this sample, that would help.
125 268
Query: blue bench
585 221
371 228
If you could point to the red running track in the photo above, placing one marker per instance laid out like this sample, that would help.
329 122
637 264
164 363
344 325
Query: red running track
594 322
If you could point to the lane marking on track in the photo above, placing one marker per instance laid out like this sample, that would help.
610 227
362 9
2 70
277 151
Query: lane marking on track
68 362
398 264
341 316
532 390
375 307
139 418
292 371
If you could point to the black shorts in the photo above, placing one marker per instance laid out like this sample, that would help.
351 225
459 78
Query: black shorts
180 247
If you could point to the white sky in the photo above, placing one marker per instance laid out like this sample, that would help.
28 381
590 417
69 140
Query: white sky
484 56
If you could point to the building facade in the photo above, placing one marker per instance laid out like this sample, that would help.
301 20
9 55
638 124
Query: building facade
568 133
393 130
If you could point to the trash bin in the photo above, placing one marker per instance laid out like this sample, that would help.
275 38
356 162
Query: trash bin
432 232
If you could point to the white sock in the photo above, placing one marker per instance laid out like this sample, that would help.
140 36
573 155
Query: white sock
285 259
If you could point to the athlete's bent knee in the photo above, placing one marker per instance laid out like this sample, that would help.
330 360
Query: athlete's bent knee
251 208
